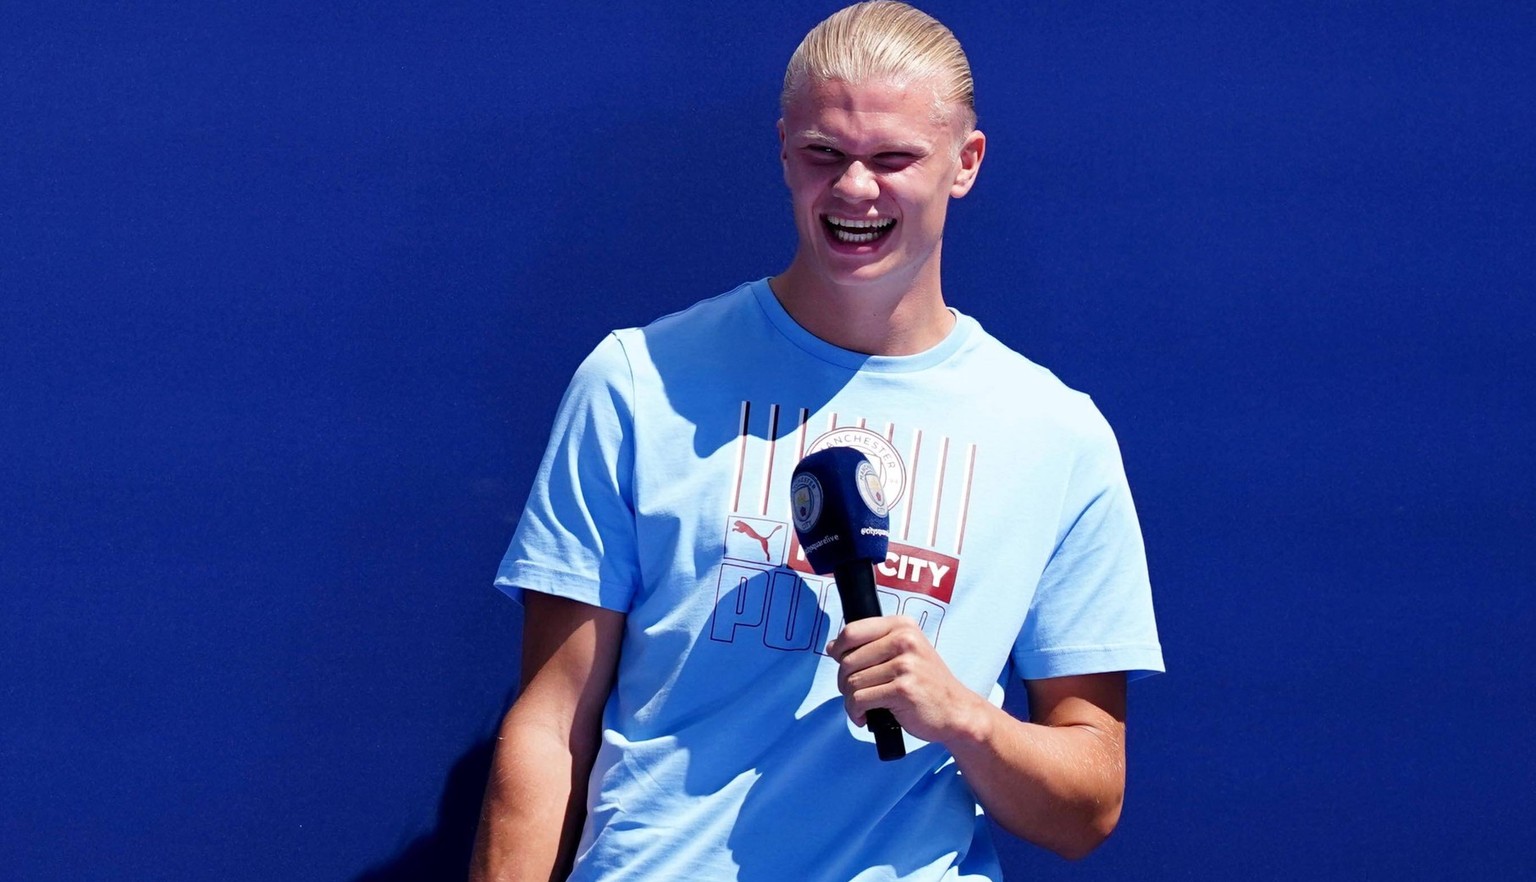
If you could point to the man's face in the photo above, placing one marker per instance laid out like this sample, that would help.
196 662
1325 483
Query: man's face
871 168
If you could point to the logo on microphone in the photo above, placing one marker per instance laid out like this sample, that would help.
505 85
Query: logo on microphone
870 489
889 472
805 499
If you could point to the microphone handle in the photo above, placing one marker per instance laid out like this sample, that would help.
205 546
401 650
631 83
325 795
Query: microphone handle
856 587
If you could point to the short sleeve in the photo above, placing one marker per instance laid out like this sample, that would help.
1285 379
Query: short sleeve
576 537
1092 610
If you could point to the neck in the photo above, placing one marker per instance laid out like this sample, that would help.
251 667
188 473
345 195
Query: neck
899 317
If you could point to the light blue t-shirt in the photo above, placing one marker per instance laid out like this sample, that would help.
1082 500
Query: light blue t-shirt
726 752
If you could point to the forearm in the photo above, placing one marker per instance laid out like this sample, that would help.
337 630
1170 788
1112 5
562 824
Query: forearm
1057 781
535 803
1060 787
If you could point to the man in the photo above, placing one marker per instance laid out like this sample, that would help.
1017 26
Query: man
690 695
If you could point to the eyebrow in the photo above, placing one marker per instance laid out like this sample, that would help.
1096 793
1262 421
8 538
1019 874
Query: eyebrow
814 134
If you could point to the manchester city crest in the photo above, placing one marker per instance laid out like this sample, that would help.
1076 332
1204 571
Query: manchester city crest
805 500
871 490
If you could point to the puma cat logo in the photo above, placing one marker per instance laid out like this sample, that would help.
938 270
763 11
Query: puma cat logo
746 528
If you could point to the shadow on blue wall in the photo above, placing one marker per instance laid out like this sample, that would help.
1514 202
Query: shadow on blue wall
443 852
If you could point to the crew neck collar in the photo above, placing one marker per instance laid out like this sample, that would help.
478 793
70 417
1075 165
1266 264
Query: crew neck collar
847 358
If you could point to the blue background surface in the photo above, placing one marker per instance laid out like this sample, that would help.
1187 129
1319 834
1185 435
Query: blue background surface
289 291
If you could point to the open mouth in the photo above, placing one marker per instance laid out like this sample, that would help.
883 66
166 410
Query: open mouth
857 232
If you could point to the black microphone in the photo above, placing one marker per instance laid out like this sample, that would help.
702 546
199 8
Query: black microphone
844 526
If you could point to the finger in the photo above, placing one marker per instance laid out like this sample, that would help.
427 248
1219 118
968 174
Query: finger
887 696
856 634
855 669
854 712
852 681
892 644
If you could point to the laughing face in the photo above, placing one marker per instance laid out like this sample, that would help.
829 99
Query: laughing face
871 168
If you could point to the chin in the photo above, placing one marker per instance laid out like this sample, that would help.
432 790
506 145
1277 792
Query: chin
867 271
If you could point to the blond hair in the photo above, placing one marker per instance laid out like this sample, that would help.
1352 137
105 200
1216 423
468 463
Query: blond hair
884 39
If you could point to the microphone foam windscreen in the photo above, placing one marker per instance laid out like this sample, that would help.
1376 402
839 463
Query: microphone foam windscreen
839 509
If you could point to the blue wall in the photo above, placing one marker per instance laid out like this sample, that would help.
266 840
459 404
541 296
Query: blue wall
288 293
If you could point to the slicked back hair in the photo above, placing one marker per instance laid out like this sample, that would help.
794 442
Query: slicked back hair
885 39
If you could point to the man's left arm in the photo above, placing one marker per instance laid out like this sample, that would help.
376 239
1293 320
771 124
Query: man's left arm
1057 781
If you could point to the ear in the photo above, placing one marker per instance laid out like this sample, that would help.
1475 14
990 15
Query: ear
783 153
972 149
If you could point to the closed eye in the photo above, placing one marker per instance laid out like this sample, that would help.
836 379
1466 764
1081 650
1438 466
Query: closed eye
822 153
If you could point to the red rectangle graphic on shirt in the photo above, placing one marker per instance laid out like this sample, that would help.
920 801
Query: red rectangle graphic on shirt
905 568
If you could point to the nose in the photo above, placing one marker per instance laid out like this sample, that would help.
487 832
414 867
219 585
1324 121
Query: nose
856 183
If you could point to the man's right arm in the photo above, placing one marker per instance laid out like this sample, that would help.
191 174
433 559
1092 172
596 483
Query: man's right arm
535 800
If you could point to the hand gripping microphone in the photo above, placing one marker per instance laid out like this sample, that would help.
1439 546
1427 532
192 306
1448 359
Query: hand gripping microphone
844 528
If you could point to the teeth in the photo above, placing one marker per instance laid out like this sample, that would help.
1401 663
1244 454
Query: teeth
843 229
855 238
860 224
